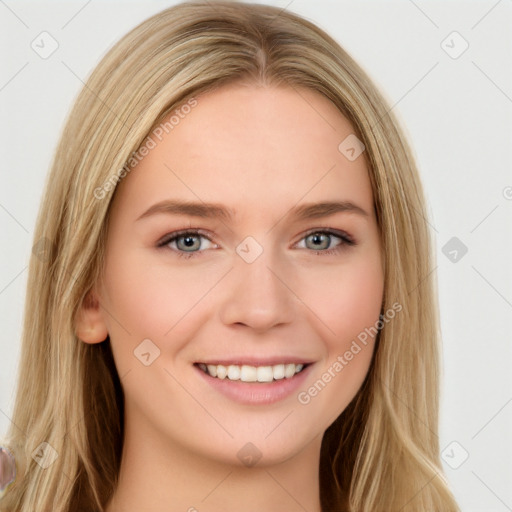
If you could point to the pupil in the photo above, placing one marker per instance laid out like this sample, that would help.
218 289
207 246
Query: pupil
319 240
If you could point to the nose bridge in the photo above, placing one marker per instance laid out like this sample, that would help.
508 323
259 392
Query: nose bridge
257 295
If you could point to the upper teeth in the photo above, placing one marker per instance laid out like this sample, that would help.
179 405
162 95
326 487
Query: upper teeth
247 373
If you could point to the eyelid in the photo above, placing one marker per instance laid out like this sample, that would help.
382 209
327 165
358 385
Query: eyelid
169 237
345 237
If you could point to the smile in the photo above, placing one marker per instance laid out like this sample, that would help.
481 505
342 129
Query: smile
248 373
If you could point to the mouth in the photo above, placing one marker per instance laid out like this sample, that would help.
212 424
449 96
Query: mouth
251 381
251 373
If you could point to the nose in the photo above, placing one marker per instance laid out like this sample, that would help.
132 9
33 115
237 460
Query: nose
257 295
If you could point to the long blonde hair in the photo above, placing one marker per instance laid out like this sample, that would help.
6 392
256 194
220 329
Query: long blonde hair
382 453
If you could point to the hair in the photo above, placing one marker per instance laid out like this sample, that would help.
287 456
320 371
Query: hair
382 452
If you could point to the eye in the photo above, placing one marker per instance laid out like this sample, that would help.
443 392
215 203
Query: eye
322 241
186 243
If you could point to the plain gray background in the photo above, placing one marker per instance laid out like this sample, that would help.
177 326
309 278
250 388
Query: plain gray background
455 104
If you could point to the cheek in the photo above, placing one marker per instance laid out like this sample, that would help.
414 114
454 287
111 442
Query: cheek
347 299
350 306
148 300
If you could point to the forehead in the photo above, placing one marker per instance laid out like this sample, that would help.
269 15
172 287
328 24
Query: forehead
252 148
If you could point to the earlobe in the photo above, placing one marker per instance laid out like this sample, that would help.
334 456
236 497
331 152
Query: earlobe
89 323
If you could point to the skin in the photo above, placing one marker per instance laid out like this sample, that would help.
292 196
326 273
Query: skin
260 151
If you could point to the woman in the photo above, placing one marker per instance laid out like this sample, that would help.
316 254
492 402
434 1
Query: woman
229 307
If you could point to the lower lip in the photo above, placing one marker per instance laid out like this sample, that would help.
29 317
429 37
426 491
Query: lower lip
256 393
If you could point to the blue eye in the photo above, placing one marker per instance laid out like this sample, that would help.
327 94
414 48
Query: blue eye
188 244
321 241
185 243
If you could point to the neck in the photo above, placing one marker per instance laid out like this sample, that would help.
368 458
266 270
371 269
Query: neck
159 476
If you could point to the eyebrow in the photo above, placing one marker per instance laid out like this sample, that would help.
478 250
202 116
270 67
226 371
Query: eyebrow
217 211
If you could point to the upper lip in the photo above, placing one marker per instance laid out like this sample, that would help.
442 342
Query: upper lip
256 361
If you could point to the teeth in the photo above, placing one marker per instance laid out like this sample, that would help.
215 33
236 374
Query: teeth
222 371
265 374
247 373
279 371
289 370
233 372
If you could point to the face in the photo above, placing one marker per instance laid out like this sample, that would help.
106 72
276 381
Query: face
245 243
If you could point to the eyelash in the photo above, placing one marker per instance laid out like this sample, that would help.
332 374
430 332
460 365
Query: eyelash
346 241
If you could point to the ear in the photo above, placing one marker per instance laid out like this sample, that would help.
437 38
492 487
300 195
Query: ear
90 326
